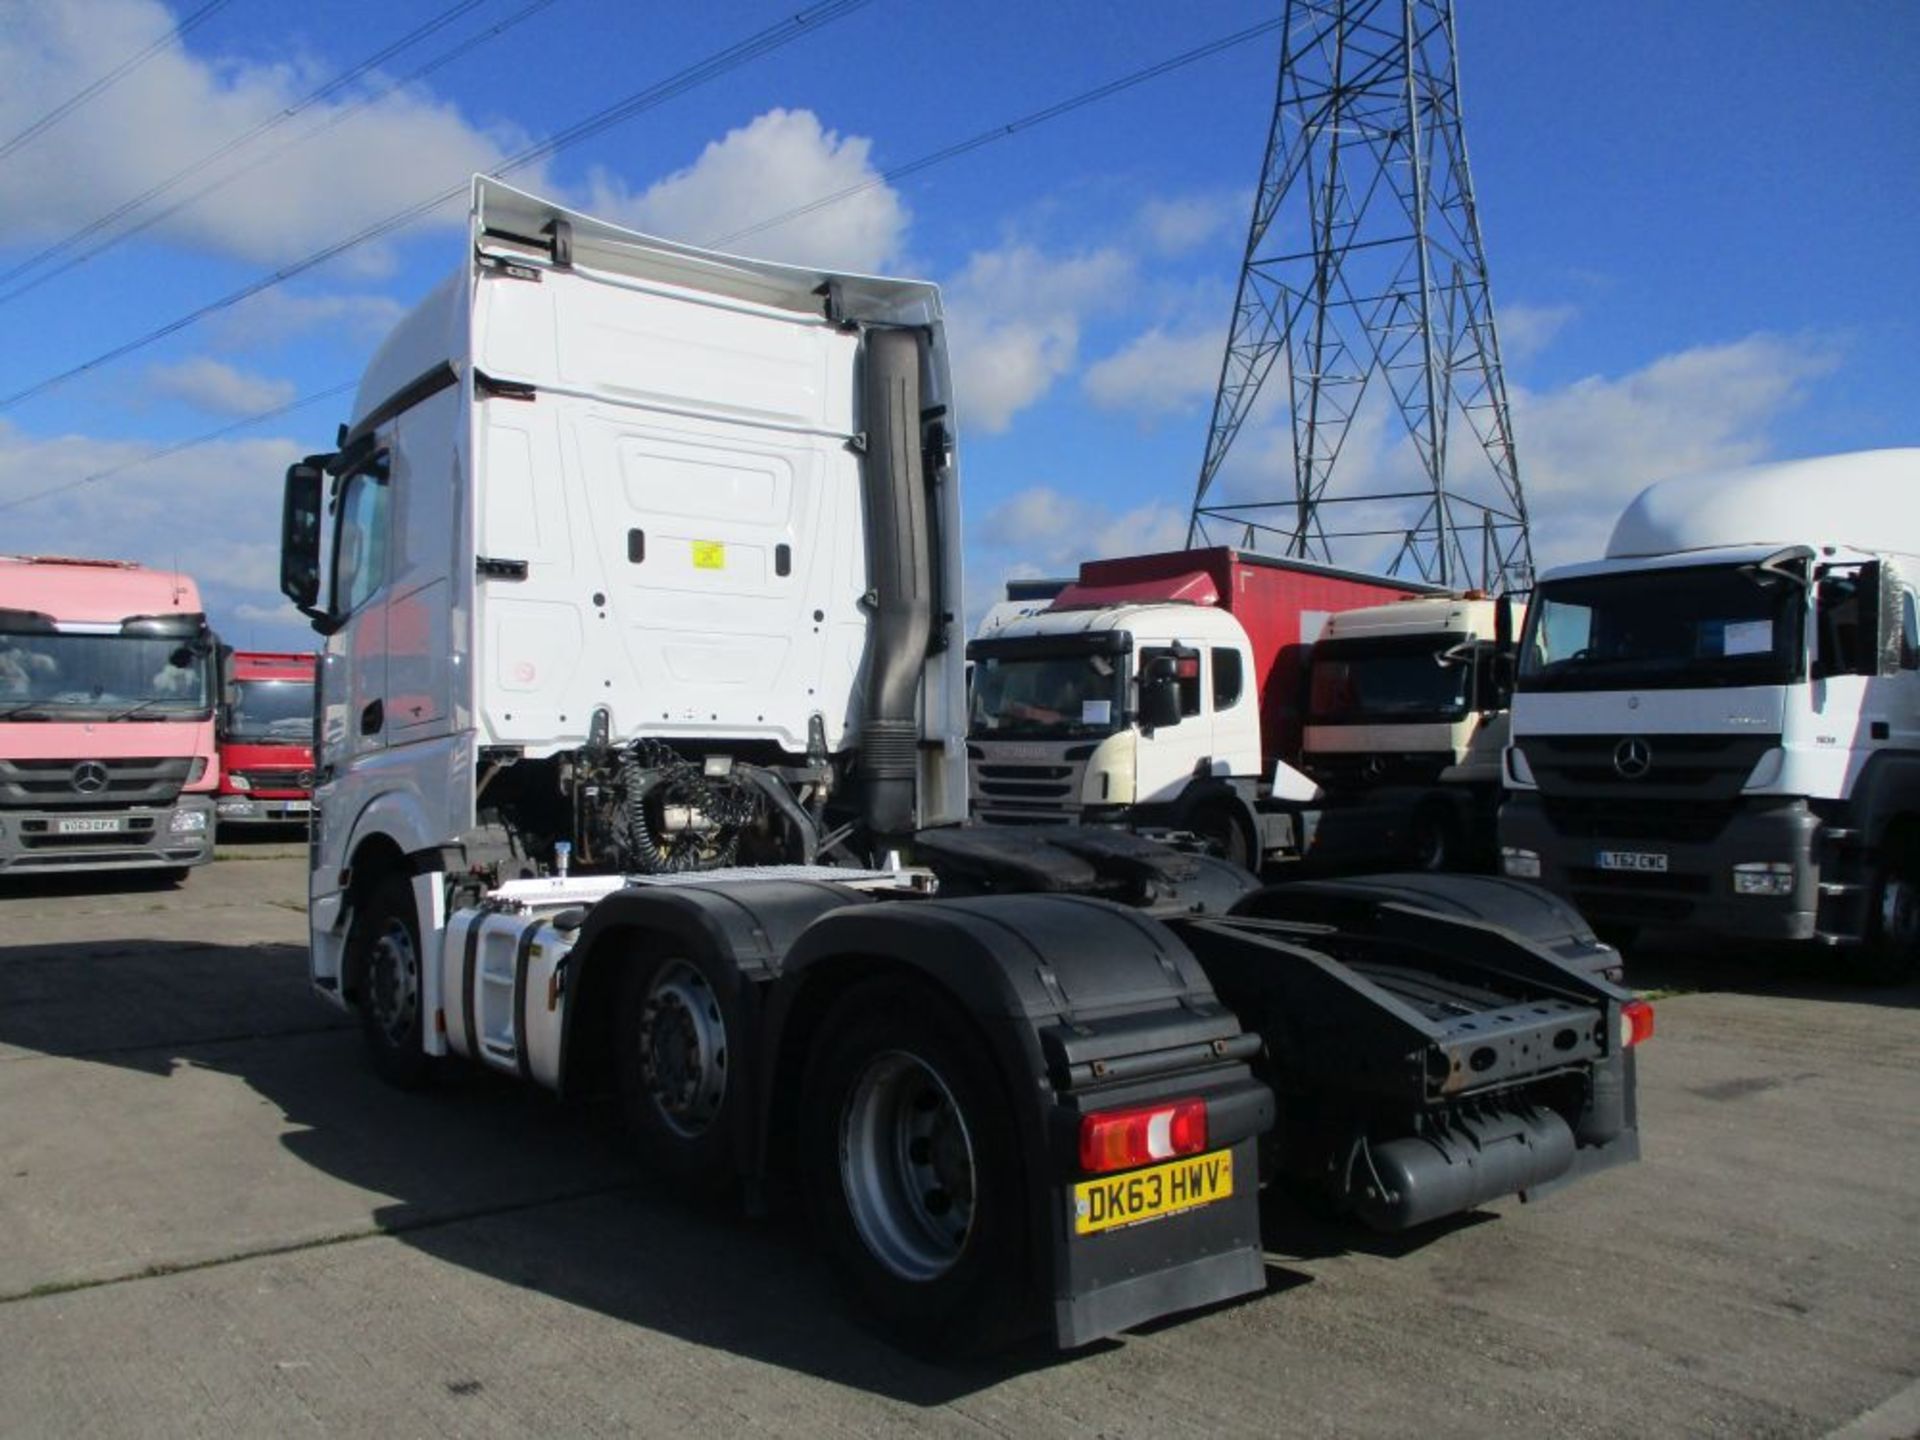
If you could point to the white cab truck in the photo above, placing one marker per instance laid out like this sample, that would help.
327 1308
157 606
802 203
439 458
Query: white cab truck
641 766
1717 727
1405 728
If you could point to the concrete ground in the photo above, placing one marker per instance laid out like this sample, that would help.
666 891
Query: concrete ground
216 1222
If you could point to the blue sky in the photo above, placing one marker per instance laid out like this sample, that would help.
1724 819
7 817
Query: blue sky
1701 219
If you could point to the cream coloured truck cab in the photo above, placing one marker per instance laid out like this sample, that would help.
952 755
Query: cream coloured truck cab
1406 721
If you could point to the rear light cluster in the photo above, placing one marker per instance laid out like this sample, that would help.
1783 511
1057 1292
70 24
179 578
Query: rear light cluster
1124 1139
1636 1023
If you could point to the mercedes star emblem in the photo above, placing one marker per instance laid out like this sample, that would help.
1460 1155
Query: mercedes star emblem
89 777
1633 758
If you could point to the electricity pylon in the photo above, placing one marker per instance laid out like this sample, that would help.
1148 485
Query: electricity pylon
1364 261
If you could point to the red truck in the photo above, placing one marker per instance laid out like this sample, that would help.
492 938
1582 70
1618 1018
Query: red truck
266 738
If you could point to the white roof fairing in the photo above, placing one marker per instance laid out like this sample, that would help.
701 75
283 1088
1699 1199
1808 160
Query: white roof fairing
1868 500
434 332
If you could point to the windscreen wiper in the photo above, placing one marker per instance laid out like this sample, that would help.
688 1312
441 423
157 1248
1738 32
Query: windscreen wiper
29 711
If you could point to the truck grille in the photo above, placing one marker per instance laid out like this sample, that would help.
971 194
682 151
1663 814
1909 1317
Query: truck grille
105 784
276 779
1041 793
1589 818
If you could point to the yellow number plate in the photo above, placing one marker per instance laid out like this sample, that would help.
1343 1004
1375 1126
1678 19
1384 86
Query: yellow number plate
1159 1190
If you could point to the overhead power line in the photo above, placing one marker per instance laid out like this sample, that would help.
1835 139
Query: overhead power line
119 72
213 157
1001 132
179 446
699 73
949 152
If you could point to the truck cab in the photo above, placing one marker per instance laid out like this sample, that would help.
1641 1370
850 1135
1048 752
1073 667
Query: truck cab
1406 723
107 693
1060 729
1717 726
266 738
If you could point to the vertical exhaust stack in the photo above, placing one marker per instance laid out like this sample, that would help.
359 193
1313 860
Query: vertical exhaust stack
900 564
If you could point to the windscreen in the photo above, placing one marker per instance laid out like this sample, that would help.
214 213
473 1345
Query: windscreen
1047 696
272 712
50 676
1401 681
1665 629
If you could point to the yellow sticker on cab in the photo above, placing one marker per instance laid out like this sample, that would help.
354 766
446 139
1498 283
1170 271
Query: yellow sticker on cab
709 555
1151 1194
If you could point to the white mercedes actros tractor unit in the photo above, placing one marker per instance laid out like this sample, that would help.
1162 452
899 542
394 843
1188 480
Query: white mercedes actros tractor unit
641 767
1717 727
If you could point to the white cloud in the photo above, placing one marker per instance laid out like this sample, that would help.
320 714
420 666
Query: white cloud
180 106
1587 448
1015 316
1158 373
1526 330
275 316
213 512
1186 222
1044 531
780 160
208 384
1584 449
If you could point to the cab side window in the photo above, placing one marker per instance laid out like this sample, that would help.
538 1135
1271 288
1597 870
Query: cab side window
1227 681
360 553
1909 631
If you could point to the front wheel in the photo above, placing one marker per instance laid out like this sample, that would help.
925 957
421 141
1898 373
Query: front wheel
383 949
912 1171
1891 955
1434 840
1228 836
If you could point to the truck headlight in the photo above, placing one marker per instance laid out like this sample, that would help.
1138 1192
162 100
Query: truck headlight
188 822
1763 877
1518 771
1520 864
1766 770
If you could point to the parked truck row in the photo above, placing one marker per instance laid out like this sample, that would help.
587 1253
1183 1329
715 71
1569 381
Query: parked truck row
642 766
1278 708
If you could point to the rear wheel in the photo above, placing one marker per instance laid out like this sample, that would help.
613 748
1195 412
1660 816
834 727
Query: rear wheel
913 1173
383 949
674 1056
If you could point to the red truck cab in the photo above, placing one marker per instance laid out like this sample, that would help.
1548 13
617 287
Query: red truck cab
266 738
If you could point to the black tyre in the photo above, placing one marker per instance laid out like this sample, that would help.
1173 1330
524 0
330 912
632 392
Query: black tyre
1891 954
1433 840
383 950
1227 833
913 1173
674 1047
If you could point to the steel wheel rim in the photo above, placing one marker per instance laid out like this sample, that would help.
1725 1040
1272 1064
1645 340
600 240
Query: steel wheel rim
394 983
683 1049
907 1167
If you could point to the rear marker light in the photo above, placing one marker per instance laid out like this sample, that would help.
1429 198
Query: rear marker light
1124 1139
1636 1023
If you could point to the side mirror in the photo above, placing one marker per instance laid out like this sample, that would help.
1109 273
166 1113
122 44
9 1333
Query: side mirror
1160 693
300 537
